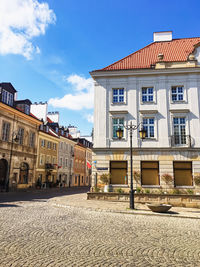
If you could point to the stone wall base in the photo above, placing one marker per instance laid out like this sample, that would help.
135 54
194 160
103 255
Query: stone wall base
188 201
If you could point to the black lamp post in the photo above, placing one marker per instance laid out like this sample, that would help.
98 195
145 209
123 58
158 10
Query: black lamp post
15 138
142 133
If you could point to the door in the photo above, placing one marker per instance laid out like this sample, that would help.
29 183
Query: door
3 172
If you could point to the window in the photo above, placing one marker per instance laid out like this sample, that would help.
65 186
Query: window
147 94
54 160
43 143
5 131
118 95
48 159
177 93
61 162
179 131
150 173
7 98
27 109
31 139
182 173
49 144
65 162
41 159
118 171
21 136
117 123
54 146
148 125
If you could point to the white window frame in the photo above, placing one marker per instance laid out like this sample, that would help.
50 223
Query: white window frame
151 116
5 131
31 139
118 118
184 94
153 94
148 125
146 85
41 159
43 143
187 125
49 144
112 95
21 133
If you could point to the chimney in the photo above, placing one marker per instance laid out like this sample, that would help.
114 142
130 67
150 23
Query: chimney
162 36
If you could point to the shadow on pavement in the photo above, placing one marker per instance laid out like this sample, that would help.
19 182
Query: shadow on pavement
8 205
40 194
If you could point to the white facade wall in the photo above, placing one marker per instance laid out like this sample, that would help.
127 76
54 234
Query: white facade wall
40 110
163 109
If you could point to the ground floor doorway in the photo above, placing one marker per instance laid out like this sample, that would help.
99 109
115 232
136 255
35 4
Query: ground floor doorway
3 173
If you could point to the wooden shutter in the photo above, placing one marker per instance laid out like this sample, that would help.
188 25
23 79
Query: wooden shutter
150 173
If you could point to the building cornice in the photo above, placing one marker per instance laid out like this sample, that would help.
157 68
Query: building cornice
142 72
19 114
48 136
139 149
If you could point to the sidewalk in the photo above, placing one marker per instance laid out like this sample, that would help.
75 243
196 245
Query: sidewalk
80 201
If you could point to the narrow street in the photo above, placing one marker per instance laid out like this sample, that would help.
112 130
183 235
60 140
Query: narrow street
35 233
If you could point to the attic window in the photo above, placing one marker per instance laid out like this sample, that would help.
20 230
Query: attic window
160 56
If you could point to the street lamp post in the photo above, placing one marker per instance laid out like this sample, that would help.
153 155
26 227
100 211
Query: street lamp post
142 132
15 138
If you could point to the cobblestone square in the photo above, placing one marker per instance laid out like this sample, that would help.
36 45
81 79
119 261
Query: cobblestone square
35 233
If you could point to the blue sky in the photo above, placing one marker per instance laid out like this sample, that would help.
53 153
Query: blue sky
55 43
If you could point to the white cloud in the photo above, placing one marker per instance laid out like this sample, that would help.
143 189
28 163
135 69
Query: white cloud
90 118
81 98
20 21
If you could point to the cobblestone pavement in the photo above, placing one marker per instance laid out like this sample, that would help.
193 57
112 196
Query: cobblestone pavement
34 233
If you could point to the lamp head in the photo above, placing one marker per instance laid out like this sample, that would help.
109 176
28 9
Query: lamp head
142 133
119 133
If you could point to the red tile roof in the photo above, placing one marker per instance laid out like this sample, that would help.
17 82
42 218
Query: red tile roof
49 120
174 51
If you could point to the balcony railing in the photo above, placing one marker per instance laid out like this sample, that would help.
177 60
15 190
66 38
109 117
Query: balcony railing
181 140
49 166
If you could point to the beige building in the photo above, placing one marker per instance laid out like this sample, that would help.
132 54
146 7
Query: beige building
18 141
47 157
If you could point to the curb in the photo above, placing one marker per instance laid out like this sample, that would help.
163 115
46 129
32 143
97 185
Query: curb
126 212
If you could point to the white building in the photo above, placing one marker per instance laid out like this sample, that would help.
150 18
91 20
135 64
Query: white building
159 86
73 131
39 109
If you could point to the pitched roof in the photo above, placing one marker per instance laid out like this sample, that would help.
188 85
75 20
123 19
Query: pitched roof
8 86
174 51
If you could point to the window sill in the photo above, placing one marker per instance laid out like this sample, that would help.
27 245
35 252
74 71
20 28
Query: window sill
118 140
149 139
147 102
151 186
178 102
118 103
184 187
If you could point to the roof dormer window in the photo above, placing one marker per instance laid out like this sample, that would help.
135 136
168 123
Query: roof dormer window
7 98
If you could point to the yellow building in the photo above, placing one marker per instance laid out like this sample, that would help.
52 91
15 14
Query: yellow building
18 141
47 157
